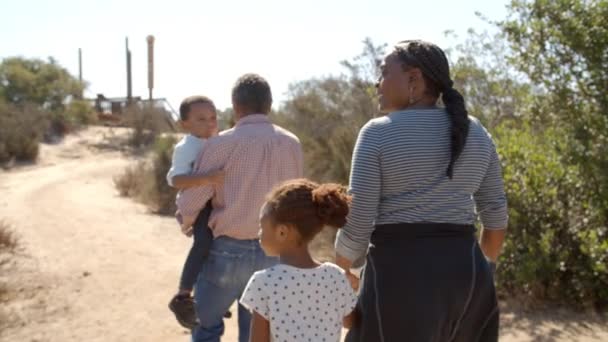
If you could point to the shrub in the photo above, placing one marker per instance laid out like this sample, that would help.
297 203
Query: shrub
147 123
146 181
130 182
80 112
557 244
8 239
21 129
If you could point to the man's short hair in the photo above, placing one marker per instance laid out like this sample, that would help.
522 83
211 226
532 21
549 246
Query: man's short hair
188 102
252 93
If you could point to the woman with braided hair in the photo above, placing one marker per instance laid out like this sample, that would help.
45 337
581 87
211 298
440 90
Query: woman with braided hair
421 176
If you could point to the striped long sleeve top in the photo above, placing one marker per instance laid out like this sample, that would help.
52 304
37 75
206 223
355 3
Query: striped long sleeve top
398 175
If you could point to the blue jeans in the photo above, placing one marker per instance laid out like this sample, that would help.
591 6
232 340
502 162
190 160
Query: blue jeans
221 281
202 239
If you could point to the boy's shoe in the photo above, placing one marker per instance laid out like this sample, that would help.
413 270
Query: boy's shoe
183 308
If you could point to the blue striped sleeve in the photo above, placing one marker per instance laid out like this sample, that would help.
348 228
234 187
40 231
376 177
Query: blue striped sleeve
490 198
365 182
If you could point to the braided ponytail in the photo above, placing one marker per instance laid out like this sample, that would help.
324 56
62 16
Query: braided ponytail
433 64
454 105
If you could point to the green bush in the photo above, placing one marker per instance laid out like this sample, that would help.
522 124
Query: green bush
21 129
146 181
557 243
79 112
147 123
131 181
161 196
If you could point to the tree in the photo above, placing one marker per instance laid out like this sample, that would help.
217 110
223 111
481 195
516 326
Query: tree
555 164
34 81
494 91
327 114
562 46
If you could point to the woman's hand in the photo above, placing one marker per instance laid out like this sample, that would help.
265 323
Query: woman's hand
346 264
353 280
491 241
343 262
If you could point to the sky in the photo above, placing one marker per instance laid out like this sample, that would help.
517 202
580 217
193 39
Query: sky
202 47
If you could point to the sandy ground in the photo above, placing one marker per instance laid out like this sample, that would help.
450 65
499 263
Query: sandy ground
97 267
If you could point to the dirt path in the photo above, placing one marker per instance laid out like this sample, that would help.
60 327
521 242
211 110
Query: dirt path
98 267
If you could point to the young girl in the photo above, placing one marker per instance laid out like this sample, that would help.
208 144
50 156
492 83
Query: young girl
299 299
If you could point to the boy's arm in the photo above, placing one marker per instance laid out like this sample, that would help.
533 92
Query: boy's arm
189 181
181 163
260 329
192 200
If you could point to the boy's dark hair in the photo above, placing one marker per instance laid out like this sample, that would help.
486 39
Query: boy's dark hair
252 93
186 105
308 206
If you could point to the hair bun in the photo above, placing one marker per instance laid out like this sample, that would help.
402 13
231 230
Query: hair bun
332 203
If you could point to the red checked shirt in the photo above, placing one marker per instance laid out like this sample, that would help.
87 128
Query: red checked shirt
256 156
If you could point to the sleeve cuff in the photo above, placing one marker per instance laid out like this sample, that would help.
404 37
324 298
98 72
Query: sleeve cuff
343 247
170 180
495 221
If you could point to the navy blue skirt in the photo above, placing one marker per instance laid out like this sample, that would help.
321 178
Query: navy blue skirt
426 282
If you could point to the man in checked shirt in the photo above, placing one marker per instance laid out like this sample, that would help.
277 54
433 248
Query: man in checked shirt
256 156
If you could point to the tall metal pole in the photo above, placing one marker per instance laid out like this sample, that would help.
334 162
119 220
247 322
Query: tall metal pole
129 82
150 40
80 71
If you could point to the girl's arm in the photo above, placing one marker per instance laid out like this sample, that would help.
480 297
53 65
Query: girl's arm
260 329
349 320
190 181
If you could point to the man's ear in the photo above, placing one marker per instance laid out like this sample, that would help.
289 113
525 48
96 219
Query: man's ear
415 75
237 111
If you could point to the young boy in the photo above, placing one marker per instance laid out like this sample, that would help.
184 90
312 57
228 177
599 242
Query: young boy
198 118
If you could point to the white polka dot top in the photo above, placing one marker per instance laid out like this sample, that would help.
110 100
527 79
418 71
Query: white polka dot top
301 304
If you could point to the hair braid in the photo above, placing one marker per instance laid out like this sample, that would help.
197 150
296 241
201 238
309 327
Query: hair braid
433 64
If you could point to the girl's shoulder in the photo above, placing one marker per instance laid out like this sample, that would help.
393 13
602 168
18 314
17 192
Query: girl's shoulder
267 272
332 268
281 272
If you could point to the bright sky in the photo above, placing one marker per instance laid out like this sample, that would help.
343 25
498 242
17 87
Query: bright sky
203 46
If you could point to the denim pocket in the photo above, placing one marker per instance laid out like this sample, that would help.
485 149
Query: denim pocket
220 268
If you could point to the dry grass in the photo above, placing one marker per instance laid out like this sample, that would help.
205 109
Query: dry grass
147 123
145 181
21 129
8 245
8 239
130 183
